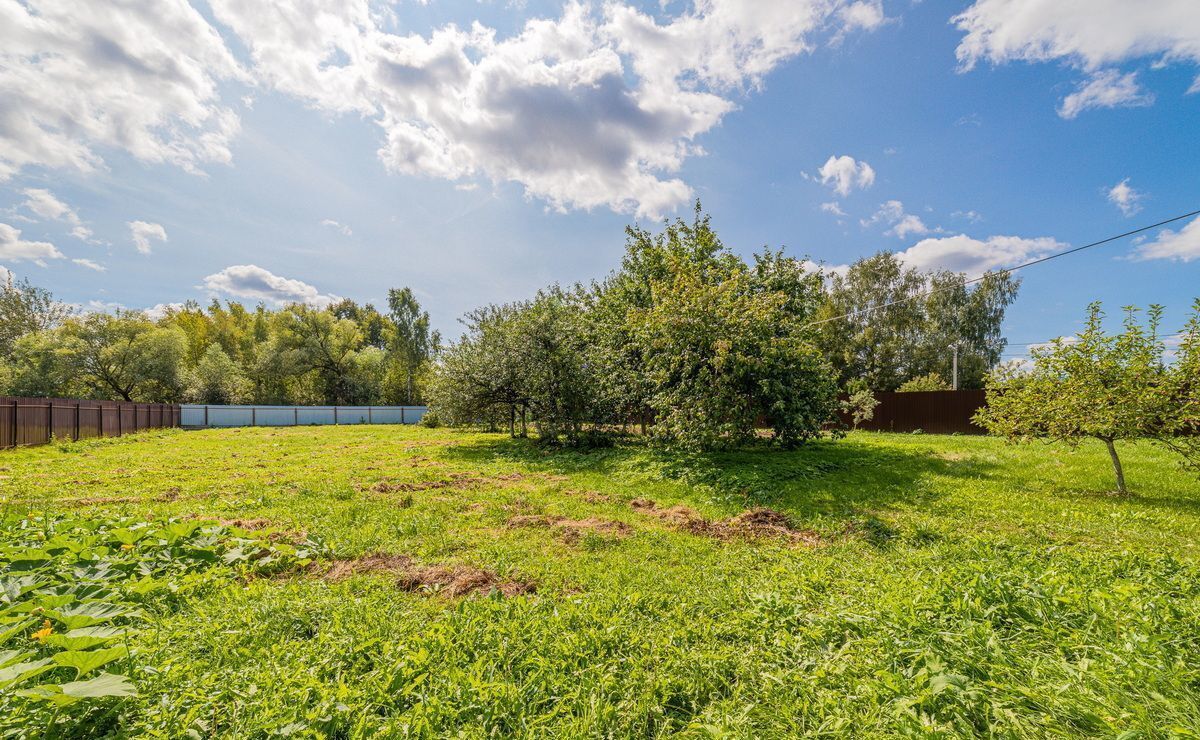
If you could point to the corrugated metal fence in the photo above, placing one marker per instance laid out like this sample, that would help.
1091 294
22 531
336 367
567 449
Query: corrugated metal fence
35 421
933 412
200 415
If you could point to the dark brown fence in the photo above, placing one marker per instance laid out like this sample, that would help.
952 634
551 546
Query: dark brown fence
934 412
35 421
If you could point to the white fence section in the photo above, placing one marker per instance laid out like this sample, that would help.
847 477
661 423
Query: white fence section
200 415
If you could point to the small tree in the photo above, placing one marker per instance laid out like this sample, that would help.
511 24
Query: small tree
217 379
1105 387
928 382
1184 383
860 404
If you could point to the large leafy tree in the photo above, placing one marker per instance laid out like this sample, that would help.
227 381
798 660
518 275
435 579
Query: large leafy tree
886 323
410 343
721 355
1100 386
25 309
316 341
123 356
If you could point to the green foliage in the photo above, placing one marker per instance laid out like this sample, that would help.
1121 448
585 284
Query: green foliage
929 382
75 592
958 587
926 315
26 309
1107 387
217 379
860 405
685 333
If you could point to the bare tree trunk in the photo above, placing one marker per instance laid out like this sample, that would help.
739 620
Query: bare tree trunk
512 420
1116 461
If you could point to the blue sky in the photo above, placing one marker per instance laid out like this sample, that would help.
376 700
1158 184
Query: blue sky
304 149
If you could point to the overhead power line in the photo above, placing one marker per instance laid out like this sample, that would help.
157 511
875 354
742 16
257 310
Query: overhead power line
1005 271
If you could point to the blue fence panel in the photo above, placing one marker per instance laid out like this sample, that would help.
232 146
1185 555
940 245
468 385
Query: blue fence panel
200 415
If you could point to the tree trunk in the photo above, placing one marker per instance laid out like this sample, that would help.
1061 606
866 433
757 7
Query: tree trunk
1116 461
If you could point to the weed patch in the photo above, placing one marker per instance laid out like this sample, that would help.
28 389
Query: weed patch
445 580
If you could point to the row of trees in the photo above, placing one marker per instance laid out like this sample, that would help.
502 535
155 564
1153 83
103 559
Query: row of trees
343 354
710 346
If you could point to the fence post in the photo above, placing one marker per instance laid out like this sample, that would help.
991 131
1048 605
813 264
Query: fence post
335 420
401 414
14 423
369 420
49 420
206 414
77 420
295 416
253 416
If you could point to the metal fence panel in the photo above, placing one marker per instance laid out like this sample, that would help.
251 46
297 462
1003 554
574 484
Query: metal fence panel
200 415
34 421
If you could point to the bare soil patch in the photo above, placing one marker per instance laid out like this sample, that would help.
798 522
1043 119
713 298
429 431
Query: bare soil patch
571 530
752 524
448 580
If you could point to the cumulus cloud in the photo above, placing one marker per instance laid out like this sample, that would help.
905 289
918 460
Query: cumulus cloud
1088 34
90 264
962 253
143 231
45 204
598 107
13 247
1181 246
160 310
902 224
833 207
1123 196
79 77
845 173
342 229
256 283
1105 89
595 108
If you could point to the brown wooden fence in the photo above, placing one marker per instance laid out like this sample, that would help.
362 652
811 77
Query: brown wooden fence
35 421
934 412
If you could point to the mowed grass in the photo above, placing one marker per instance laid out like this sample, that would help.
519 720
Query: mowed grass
945 586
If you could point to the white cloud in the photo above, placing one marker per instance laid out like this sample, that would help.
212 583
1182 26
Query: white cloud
962 253
343 229
902 224
142 77
45 204
972 216
833 207
6 274
1089 34
252 281
590 109
1123 196
159 310
866 15
1105 89
13 247
1182 245
845 173
91 265
143 231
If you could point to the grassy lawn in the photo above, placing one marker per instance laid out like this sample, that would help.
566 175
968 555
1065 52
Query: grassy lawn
917 585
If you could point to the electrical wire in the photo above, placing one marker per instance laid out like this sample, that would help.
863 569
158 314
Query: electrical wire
1005 271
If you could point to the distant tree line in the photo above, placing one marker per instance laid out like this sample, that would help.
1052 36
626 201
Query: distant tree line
219 354
709 346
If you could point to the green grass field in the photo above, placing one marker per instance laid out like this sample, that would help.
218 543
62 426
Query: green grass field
918 585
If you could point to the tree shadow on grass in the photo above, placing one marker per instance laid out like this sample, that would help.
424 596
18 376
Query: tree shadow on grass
824 479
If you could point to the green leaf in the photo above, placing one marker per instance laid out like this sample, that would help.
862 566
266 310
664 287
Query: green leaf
86 661
85 637
19 672
8 657
86 615
7 632
106 684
